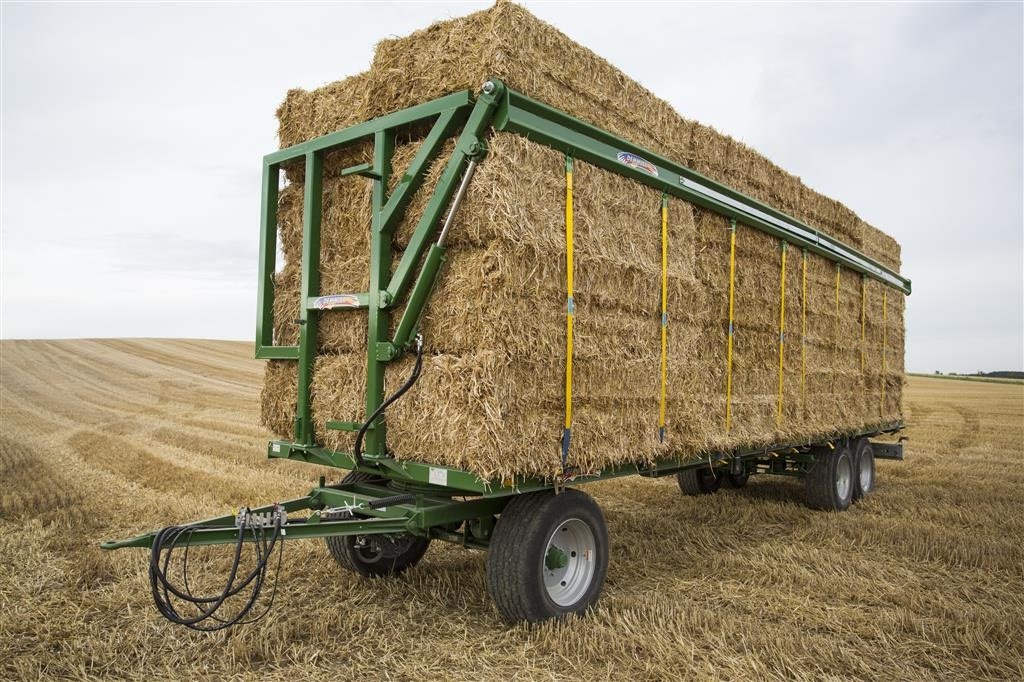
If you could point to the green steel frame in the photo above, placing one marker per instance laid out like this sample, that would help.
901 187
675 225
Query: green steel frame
431 513
433 510
556 129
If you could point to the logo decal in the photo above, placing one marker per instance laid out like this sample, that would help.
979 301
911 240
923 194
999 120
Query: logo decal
638 162
337 301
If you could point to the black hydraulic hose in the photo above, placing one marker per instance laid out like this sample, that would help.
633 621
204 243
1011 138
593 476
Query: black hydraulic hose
163 590
358 450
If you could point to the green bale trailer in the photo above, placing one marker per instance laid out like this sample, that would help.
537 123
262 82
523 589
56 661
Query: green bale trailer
547 543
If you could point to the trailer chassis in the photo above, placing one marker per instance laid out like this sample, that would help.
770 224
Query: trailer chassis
405 503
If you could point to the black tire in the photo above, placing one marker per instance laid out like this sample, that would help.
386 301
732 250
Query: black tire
376 555
735 480
700 481
863 469
518 568
829 484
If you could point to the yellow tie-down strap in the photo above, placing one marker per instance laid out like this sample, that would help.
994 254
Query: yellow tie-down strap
839 269
782 333
863 318
664 316
728 352
803 331
570 311
885 342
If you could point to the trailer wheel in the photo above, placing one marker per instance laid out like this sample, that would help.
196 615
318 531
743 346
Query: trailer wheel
864 468
548 556
376 555
700 481
736 480
829 484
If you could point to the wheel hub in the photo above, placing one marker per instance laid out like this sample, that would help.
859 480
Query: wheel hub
570 561
843 478
555 559
865 473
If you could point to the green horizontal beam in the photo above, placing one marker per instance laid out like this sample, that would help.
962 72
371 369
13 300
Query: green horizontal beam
556 129
425 511
448 477
338 425
293 531
277 352
364 169
146 539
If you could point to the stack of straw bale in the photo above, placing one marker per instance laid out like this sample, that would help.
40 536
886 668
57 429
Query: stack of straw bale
491 396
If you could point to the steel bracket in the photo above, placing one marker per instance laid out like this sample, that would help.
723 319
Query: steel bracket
888 451
387 351
366 170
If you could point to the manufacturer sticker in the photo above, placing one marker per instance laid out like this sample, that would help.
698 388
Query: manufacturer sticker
438 476
336 301
638 162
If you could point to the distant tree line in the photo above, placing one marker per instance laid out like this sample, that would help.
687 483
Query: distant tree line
1002 374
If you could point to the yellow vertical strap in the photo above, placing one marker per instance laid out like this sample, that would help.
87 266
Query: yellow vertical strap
803 332
728 356
570 311
885 341
664 316
863 318
838 270
782 333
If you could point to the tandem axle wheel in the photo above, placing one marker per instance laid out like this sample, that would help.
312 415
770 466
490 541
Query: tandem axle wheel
834 477
548 557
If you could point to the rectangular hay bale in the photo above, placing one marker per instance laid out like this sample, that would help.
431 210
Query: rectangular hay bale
490 398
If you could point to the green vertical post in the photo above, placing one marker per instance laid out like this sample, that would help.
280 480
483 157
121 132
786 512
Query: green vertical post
268 257
312 215
380 273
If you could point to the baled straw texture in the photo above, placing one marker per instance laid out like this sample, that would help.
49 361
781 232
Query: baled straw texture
491 396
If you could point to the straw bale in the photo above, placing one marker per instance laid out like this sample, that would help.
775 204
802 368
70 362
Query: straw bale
881 247
491 395
307 114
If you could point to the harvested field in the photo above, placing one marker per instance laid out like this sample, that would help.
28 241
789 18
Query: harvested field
100 439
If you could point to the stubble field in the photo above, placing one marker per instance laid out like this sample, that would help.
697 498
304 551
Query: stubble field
101 439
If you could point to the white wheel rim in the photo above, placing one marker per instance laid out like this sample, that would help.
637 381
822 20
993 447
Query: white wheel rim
865 472
843 477
569 562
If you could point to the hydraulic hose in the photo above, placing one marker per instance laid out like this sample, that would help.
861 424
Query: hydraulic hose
358 450
206 608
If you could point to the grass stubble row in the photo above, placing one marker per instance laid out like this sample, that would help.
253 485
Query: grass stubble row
101 439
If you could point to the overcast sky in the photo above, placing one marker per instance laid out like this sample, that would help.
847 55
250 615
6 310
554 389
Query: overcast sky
132 136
